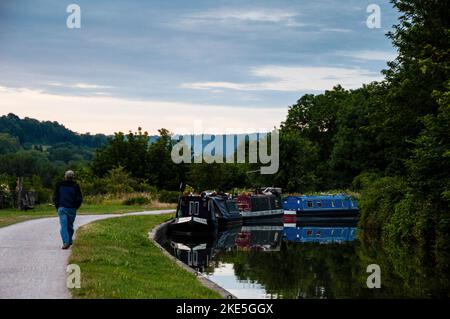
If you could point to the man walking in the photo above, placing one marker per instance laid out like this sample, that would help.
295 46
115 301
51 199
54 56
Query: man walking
67 199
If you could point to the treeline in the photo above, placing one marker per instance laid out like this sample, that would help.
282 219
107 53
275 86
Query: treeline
39 152
31 132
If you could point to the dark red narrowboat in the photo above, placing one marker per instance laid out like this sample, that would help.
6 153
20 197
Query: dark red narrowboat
262 204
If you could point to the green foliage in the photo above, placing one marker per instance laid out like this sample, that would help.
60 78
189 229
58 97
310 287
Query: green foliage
138 200
168 196
378 201
68 153
413 122
119 181
31 131
298 158
147 162
8 144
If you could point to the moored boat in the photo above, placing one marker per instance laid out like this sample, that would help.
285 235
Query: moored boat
320 206
204 213
264 204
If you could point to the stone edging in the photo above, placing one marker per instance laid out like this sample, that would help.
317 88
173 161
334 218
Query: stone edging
157 233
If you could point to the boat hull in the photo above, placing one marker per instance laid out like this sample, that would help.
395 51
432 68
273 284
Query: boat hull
198 226
262 215
190 226
328 213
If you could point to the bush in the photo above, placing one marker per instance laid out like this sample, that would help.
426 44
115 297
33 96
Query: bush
168 196
119 181
140 200
378 200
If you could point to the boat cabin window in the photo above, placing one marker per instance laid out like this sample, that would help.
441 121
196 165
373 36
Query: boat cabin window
319 203
231 206
194 208
309 204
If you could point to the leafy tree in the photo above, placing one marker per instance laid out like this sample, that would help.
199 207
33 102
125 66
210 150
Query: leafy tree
130 152
422 39
8 144
163 171
356 148
298 159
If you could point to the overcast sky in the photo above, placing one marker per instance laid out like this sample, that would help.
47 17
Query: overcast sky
234 65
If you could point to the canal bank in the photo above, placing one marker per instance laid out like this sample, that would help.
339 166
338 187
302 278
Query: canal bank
117 260
159 234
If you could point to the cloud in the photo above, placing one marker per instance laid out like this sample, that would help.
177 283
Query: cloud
83 86
335 30
295 78
89 86
370 55
287 18
105 114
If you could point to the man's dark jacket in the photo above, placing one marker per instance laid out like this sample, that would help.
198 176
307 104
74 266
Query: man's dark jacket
67 194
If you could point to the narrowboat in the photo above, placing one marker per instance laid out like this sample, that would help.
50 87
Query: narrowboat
204 214
262 204
320 206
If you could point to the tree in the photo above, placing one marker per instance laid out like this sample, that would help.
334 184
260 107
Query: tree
8 144
355 147
130 152
422 39
163 171
298 160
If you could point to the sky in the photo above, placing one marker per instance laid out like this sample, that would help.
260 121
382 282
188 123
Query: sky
188 66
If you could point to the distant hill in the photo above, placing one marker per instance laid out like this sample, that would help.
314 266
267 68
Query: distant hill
31 131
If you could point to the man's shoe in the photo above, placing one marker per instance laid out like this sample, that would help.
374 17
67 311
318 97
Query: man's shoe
66 246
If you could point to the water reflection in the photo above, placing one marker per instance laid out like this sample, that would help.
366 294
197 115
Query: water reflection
309 259
304 231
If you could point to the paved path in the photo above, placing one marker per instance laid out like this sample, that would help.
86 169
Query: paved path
32 263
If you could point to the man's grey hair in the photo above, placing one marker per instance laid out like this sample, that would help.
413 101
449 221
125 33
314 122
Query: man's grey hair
69 175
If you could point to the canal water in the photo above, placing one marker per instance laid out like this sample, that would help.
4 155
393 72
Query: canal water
309 259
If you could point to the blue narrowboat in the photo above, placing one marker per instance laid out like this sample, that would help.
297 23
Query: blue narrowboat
320 206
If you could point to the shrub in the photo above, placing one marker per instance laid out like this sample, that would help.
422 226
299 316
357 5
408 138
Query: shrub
119 181
168 196
378 200
139 200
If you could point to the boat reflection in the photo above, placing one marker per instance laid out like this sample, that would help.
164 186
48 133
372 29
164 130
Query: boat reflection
198 252
323 231
260 238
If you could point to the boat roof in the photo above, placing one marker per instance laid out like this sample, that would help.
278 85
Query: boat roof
320 197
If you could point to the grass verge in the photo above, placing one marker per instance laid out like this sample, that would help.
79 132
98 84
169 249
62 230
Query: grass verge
117 260
12 216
